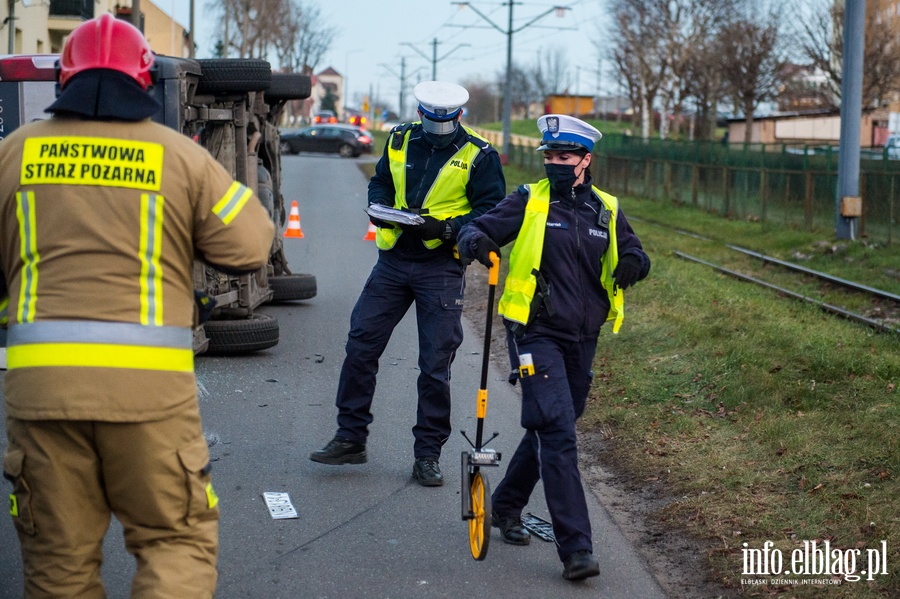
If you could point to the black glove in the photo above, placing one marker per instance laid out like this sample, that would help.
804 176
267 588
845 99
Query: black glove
205 305
381 224
483 248
627 271
432 228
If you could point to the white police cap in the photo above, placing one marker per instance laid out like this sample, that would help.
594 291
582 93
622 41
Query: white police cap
564 132
440 103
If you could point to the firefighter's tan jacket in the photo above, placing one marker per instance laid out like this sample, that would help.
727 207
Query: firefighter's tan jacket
99 225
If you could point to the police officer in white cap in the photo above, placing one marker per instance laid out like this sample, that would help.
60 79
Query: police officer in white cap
448 175
577 254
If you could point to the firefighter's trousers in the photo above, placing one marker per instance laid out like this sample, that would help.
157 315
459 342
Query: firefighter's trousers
69 477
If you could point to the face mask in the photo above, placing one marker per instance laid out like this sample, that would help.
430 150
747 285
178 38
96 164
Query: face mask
562 176
439 141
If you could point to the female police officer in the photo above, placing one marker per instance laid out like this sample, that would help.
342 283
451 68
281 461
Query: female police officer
573 255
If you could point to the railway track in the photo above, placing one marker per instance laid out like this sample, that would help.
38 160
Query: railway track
854 301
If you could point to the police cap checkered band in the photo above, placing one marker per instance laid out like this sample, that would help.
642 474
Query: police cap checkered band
563 132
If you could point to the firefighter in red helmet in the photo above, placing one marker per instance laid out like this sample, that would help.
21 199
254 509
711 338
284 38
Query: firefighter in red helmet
101 214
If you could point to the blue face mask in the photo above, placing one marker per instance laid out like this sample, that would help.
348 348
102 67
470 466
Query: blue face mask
562 176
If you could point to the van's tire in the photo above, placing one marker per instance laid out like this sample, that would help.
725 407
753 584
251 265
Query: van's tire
230 337
233 75
288 288
289 86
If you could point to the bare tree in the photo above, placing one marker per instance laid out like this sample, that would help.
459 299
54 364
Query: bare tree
548 75
687 25
245 26
523 93
820 32
306 38
705 85
484 101
625 67
639 49
291 30
751 61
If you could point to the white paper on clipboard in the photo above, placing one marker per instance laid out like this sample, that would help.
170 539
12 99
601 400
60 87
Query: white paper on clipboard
392 215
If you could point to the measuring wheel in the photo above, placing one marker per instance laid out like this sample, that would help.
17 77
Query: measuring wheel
476 497
480 524
476 491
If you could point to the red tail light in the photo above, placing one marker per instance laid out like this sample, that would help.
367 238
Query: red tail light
40 67
365 139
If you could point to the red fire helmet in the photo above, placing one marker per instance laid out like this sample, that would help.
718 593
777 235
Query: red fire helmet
107 43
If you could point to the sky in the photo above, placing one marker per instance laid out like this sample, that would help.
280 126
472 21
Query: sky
375 38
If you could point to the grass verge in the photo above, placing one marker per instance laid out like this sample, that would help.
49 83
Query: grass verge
767 419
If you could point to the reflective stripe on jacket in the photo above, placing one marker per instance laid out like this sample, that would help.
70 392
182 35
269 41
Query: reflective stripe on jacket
525 258
445 199
85 343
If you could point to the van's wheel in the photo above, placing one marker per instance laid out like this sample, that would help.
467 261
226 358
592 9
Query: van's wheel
289 86
229 337
287 288
346 151
234 75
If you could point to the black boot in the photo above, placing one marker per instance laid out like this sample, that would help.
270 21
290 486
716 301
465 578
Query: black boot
580 565
428 472
340 451
511 529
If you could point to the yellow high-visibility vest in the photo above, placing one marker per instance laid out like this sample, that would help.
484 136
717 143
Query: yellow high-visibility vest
447 196
525 258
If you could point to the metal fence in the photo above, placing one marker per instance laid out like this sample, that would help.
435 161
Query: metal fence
784 184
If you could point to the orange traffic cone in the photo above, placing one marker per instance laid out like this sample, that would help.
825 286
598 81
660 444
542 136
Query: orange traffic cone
293 228
370 234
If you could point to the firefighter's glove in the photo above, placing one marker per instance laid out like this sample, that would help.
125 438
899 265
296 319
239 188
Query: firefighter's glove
432 228
628 271
205 305
483 248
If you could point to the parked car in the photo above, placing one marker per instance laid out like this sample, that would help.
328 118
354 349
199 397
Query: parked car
346 140
325 116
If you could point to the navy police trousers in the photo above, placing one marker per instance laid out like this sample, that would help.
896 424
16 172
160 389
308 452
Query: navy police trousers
436 285
553 398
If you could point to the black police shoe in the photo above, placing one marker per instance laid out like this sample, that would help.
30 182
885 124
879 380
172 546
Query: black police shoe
340 451
428 472
580 565
511 529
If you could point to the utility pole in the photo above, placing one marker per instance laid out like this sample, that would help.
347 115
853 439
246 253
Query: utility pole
509 32
577 91
192 49
402 102
403 77
848 204
136 14
11 23
434 57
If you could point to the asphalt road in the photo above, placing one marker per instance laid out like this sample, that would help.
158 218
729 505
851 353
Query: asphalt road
366 531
